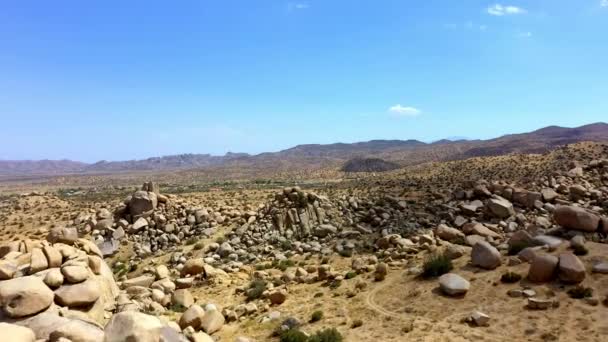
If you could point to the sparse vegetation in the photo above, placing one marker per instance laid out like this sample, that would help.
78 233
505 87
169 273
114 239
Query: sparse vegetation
436 265
580 291
256 289
316 316
510 277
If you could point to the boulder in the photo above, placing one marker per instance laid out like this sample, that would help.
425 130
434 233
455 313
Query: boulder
63 235
77 295
381 271
543 268
325 230
53 256
193 267
142 202
448 233
500 207
38 262
485 256
16 333
571 268
76 330
277 297
131 326
453 285
7 269
212 321
182 298
571 217
53 278
74 274
475 228
192 317
24 296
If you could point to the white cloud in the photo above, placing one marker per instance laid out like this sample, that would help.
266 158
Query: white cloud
604 3
297 6
500 10
401 111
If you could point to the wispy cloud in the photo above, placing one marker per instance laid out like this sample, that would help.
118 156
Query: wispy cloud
401 111
604 3
297 6
525 34
500 10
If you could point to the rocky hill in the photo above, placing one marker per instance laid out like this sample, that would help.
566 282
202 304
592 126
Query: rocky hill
315 156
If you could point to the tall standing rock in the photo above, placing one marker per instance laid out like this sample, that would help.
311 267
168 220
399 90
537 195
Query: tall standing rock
142 202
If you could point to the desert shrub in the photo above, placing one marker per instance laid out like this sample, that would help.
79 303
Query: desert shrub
350 275
510 277
293 335
436 265
283 264
518 246
256 288
220 239
316 316
198 246
286 245
580 292
327 335
356 323
177 308
334 284
191 241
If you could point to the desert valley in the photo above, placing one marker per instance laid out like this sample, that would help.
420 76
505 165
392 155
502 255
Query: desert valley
469 240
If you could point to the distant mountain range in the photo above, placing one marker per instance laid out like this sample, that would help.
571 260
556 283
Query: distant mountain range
312 156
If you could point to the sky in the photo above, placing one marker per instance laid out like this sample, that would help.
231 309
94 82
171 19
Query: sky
117 80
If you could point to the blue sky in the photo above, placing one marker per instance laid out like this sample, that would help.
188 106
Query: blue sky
92 80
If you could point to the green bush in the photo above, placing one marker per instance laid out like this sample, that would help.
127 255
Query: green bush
580 292
283 264
316 316
350 275
510 277
436 265
256 288
198 246
293 335
327 335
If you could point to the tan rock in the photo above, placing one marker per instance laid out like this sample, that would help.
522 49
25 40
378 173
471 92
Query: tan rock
24 296
485 256
571 217
193 317
130 326
53 256
16 333
53 278
571 268
212 321
77 295
75 274
38 262
543 268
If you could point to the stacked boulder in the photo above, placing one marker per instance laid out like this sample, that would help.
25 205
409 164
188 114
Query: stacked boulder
57 288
